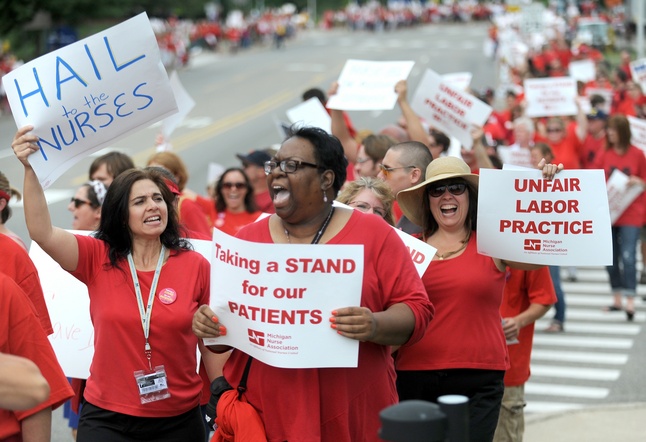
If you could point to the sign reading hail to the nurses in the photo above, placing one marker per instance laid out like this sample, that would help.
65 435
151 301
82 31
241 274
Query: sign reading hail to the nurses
565 221
85 95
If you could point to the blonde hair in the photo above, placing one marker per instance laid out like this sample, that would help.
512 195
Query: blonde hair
174 164
378 187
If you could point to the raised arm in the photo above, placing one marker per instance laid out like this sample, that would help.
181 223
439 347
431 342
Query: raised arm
414 126
340 130
57 243
22 386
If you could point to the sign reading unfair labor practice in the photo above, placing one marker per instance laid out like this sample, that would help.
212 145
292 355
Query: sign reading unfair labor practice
449 109
86 95
276 300
565 221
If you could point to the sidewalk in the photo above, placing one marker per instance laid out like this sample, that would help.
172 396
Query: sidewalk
623 422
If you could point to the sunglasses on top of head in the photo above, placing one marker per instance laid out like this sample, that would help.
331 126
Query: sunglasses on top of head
453 188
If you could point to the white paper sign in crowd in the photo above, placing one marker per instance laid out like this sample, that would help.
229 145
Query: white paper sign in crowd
638 70
310 113
516 155
369 85
548 97
637 132
565 221
582 70
620 195
68 303
448 109
276 300
85 95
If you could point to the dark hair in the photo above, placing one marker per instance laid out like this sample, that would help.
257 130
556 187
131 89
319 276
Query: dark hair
327 150
91 196
441 138
377 145
115 163
249 200
597 100
430 225
115 212
621 125
315 92
6 187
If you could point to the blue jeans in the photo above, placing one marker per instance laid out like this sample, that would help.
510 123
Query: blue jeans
559 307
623 271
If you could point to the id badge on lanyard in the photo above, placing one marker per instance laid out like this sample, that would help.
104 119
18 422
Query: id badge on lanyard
152 383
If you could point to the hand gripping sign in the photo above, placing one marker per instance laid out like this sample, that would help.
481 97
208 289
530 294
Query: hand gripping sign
85 95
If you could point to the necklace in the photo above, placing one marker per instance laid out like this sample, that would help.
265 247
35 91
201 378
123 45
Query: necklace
320 232
448 254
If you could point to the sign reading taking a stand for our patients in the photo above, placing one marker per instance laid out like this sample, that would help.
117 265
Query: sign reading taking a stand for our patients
525 218
276 300
84 96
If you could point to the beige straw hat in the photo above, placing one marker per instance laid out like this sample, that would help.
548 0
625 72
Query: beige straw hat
443 168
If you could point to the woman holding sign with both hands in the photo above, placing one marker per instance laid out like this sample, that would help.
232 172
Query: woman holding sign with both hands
463 351
330 404
144 285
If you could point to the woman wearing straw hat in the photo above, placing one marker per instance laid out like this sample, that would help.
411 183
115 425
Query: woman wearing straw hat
464 350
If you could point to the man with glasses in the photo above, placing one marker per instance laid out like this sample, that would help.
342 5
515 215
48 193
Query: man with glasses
404 166
254 168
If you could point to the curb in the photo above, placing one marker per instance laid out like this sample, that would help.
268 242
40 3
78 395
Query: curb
539 418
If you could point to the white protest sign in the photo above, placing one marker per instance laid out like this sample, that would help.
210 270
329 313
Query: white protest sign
547 97
311 113
369 85
637 132
582 70
531 20
84 96
523 217
450 110
68 303
605 93
185 104
516 155
638 71
275 300
458 80
620 195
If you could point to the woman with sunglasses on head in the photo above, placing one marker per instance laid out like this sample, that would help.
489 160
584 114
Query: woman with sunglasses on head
330 404
463 350
234 202
369 195
144 285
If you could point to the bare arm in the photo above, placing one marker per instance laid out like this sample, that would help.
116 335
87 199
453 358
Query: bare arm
482 159
581 122
57 243
393 326
340 130
22 386
512 326
414 126
37 427
213 362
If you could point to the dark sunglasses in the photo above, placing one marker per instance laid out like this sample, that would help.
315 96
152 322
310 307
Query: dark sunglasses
230 186
78 203
454 189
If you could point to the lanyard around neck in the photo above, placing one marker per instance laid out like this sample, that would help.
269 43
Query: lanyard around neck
147 312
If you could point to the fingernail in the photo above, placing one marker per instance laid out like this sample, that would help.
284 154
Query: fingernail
332 319
214 318
334 312
222 330
333 326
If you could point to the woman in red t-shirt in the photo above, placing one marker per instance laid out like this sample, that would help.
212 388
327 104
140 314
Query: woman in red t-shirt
620 155
234 202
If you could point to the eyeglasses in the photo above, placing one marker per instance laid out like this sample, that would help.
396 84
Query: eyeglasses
78 203
236 186
287 166
365 208
454 189
554 129
386 170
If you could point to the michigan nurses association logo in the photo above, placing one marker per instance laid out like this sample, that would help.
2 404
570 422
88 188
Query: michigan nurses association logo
533 245
256 337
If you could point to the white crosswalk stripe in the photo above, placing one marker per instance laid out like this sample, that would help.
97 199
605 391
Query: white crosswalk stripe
577 368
